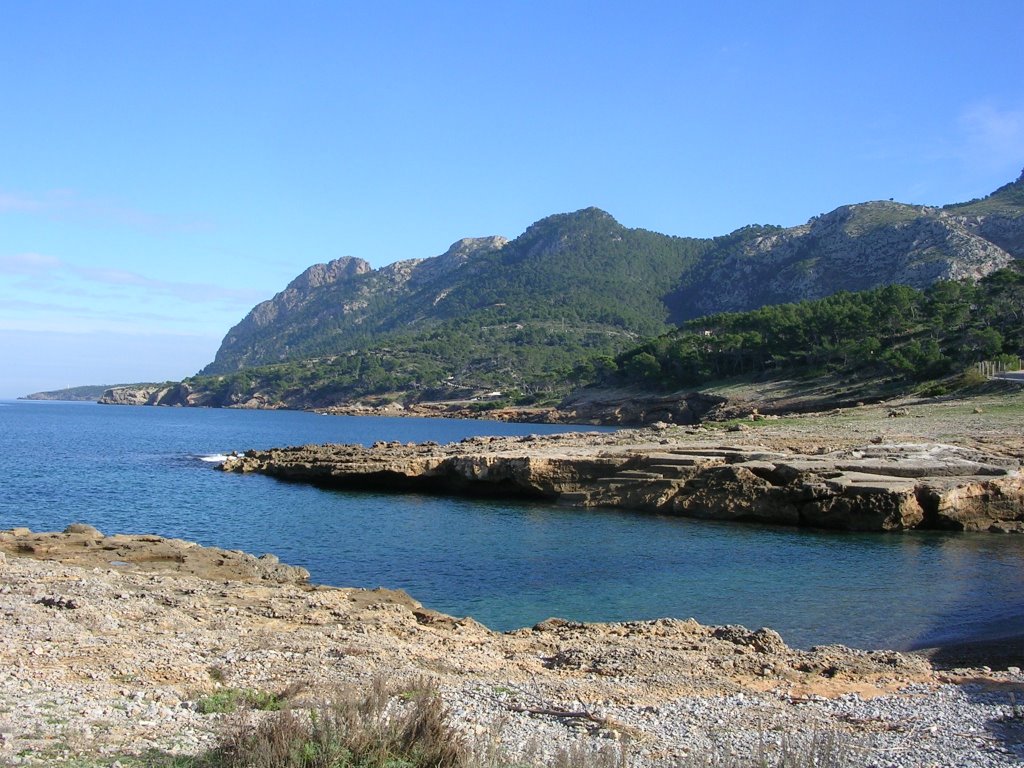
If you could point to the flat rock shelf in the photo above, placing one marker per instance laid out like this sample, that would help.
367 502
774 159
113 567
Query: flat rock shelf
876 486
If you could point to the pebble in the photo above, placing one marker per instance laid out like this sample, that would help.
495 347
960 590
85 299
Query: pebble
95 688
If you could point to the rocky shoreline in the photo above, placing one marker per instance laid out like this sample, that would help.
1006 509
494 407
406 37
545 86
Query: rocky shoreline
600 408
112 643
877 486
608 408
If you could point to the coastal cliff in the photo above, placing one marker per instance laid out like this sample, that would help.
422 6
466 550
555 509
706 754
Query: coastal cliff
181 394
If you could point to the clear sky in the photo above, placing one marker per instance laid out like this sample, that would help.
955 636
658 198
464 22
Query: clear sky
166 165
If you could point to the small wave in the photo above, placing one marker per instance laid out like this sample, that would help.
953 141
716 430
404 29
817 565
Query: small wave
218 458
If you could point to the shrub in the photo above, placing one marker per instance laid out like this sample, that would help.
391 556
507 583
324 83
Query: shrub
971 377
231 699
221 702
370 730
408 726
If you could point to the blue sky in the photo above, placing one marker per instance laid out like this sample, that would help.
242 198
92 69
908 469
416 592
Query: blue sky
166 165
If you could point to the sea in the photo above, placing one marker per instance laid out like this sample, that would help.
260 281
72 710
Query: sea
506 563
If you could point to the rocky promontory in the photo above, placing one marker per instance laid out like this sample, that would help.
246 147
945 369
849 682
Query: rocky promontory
181 394
877 486
117 645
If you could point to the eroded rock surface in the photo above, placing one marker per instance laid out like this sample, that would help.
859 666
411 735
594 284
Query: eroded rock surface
874 487
84 545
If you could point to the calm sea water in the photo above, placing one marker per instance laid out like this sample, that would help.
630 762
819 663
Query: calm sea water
142 470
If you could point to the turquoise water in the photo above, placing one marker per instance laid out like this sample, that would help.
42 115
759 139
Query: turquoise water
141 470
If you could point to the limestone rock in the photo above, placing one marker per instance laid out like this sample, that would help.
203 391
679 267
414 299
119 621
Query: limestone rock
854 507
735 493
857 246
84 529
83 544
876 487
976 504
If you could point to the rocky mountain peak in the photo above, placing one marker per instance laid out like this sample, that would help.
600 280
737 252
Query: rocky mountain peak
469 245
462 250
323 274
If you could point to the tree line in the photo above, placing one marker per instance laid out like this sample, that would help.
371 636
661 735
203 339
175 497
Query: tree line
893 330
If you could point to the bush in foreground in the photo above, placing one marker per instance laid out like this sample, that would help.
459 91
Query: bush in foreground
372 730
409 726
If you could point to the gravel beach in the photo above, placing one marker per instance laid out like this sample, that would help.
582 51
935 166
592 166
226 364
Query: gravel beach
115 655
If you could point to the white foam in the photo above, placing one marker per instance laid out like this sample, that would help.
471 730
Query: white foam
219 458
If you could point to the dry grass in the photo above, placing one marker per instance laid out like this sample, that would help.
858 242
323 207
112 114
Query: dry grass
380 727
389 725
408 726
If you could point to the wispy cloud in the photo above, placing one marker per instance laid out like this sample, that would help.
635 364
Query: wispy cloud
68 204
28 264
51 273
69 313
62 316
19 203
39 292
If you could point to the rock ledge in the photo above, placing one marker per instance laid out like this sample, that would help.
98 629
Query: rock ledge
874 487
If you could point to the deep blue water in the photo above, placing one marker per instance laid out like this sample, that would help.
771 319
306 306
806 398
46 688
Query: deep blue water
140 470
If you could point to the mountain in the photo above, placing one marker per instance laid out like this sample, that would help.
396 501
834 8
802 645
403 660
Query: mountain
489 314
529 316
343 298
582 269
854 248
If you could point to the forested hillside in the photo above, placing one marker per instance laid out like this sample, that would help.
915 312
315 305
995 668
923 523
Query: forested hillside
893 331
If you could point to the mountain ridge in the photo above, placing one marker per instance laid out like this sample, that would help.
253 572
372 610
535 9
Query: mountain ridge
527 315
570 259
854 247
339 280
